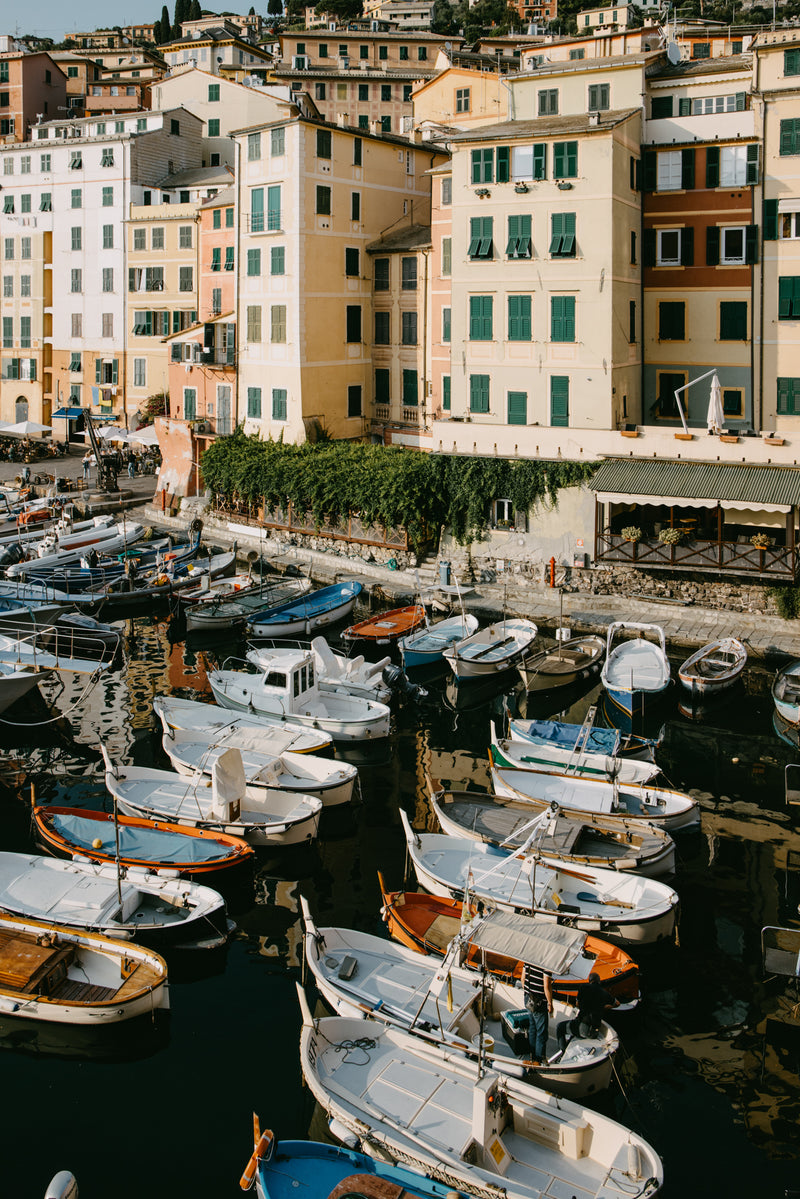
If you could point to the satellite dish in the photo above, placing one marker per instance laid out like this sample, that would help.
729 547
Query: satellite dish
448 46
673 53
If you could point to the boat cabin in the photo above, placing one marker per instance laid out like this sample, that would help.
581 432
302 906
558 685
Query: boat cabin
290 674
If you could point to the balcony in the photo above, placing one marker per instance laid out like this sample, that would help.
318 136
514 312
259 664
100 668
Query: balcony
736 555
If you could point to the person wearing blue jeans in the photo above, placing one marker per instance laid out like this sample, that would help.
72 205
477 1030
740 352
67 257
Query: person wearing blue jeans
539 1002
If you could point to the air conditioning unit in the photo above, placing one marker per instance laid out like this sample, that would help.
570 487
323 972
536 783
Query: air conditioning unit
299 62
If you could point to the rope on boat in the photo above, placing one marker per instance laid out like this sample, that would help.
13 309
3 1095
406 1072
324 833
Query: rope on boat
350 1048
35 724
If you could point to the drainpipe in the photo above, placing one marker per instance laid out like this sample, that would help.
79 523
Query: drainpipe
236 292
763 165
425 257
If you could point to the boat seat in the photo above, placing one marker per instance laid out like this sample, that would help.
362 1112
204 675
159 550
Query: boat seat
442 930
562 1133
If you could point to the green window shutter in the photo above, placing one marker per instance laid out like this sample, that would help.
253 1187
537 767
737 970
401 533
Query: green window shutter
752 164
382 377
525 238
540 161
751 244
733 321
791 62
98 370
273 207
712 166
410 392
513 236
479 393
660 108
115 371
649 247
687 169
562 318
712 245
475 230
770 220
503 164
517 408
556 232
788 137
785 297
257 210
559 400
176 322
565 160
784 396
741 101
480 318
559 160
476 166
519 318
649 170
446 393
687 246
684 107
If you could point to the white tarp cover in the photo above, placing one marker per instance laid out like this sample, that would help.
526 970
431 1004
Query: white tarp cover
551 947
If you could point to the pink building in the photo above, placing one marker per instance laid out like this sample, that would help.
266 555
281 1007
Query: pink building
32 87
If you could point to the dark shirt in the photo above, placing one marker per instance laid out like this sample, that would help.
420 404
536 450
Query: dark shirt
533 987
592 1003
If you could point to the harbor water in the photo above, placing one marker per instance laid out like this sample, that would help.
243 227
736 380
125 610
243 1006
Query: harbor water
709 1067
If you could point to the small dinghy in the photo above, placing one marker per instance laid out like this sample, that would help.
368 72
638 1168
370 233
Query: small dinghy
426 647
336 672
300 617
667 809
623 907
636 672
287 688
786 698
386 628
275 735
443 1113
498 647
219 803
331 782
361 975
428 924
578 661
551 758
137 842
713 668
63 975
567 838
133 904
569 739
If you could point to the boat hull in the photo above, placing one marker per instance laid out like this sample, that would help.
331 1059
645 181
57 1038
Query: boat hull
546 672
245 699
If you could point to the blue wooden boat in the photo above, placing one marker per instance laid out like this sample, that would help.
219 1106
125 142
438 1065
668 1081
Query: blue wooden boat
306 613
426 646
283 1169
564 737
636 672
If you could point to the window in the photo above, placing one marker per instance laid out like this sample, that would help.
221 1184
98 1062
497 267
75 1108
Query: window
672 320
277 314
599 97
661 108
562 235
25 202
189 403
480 237
213 127
386 91
382 328
733 320
319 91
8 249
140 239
791 62
788 297
143 324
631 321
665 407
446 401
787 224
446 322
254 147
447 191
562 318
213 93
76 198
257 210
107 324
216 258
480 318
229 259
140 372
403 53
323 201
186 278
75 160
668 247
381 274
108 278
410 388
408 328
386 124
254 402
463 100
108 197
559 400
351 262
382 386
76 239
422 53
408 274
528 162
254 322
322 49
107 158
519 318
788 396
76 324
447 256
479 393
701 50
253 263
565 160
108 237
8 287
517 408
482 166
363 121
216 301
216 218
46 202
8 333
732 245
357 151
24 248
383 52
576 55
277 144
354 400
548 102
355 206
174 126
406 93
731 166
76 280
353 323
324 143
277 260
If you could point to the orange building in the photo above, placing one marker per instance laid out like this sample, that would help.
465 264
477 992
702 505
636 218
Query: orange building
32 87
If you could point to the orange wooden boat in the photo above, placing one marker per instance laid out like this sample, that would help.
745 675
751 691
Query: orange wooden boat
428 924
152 844
386 628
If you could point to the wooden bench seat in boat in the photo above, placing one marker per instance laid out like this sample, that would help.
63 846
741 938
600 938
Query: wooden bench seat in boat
492 647
442 930
563 839
31 967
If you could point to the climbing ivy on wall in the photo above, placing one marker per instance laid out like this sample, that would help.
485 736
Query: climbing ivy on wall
385 485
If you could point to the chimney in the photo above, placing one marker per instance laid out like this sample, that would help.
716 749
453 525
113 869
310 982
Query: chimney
375 127
341 120
594 118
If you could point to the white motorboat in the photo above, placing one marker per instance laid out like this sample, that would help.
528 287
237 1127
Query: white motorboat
132 904
288 688
36 649
362 975
330 781
499 646
335 672
489 1136
552 758
627 908
713 668
636 672
219 803
275 735
18 681
55 551
65 976
32 532
668 809
566 838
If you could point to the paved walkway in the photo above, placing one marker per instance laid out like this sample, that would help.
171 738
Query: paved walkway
140 488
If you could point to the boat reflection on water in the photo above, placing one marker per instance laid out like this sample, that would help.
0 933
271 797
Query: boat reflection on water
464 694
702 709
129 1041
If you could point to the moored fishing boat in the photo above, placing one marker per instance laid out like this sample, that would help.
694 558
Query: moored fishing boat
275 735
499 646
57 551
50 972
636 672
227 603
440 1111
577 661
426 647
786 698
576 738
551 757
335 672
714 668
386 628
302 616
18 680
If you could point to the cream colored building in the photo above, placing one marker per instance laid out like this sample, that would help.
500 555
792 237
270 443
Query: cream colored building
457 98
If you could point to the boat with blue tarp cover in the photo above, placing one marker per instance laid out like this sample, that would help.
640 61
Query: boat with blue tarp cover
559 733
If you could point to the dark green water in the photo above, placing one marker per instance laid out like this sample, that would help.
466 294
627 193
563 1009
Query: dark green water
709 1069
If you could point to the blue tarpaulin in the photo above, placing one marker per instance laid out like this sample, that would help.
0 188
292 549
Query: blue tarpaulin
69 413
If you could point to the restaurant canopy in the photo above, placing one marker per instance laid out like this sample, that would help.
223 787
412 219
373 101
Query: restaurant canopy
696 484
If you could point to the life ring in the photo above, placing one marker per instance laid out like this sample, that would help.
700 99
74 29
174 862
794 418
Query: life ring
261 1151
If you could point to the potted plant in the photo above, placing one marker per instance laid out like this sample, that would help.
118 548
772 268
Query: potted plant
631 533
670 536
773 439
761 541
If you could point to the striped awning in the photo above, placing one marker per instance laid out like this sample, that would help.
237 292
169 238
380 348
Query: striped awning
697 484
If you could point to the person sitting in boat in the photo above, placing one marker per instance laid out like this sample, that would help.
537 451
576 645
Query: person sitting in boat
594 1002
539 1002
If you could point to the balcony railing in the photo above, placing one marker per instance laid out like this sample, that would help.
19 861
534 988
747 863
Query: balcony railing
732 557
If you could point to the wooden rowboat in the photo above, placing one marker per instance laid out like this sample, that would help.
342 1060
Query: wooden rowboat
713 668
386 628
575 662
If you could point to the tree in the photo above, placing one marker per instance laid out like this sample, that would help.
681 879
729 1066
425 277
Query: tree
162 30
344 10
274 8
196 11
443 19
252 12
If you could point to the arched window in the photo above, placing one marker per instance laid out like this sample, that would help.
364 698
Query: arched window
21 409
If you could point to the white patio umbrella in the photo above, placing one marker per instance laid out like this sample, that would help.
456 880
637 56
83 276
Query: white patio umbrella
146 436
24 428
113 433
716 417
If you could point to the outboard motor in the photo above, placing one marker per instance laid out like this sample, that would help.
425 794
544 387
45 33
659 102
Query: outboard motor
398 681
11 554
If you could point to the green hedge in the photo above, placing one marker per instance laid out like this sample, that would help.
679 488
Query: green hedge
385 485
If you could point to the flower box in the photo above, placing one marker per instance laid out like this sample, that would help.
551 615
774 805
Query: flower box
774 441
684 436
629 432
729 438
